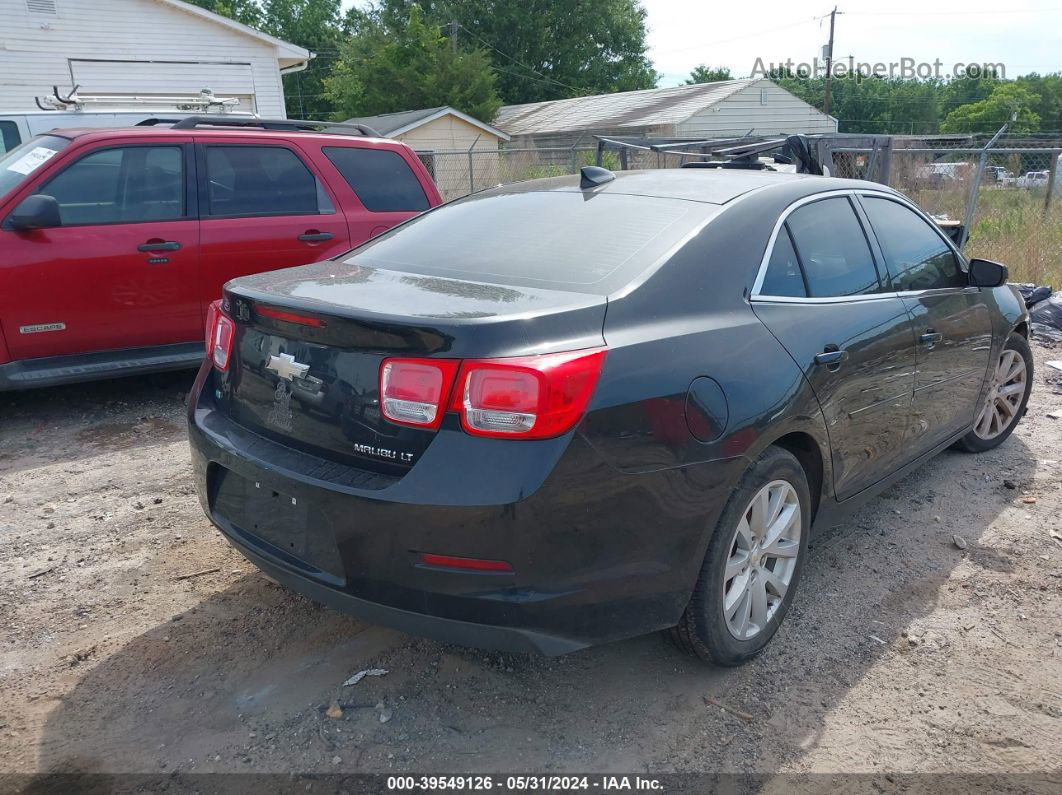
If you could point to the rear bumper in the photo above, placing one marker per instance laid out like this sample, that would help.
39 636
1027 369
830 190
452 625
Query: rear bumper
598 555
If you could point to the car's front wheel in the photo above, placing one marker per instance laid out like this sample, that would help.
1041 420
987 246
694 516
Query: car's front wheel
752 567
1007 396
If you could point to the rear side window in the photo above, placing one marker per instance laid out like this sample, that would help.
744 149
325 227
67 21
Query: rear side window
556 240
125 185
382 179
783 276
261 180
830 243
917 257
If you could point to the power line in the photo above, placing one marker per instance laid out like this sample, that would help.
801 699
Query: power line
515 61
997 12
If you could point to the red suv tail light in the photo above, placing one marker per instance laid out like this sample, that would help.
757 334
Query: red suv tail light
529 397
220 331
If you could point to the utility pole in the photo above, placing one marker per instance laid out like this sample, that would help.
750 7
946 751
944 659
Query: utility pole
453 34
829 63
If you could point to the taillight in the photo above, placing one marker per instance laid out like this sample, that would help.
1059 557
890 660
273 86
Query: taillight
414 391
220 330
529 397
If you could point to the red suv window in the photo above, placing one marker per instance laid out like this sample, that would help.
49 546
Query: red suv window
382 180
261 180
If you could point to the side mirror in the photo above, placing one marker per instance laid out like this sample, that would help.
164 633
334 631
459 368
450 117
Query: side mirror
35 212
986 273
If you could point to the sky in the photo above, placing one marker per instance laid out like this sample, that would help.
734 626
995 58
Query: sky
1025 36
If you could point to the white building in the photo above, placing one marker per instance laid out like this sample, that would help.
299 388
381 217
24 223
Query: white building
705 110
138 47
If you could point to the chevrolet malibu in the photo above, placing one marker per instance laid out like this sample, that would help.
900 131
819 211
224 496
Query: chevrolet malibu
574 410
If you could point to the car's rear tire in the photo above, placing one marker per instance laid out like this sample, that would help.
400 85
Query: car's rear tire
1008 395
758 546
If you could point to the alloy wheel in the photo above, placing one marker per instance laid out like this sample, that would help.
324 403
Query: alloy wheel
762 559
1005 395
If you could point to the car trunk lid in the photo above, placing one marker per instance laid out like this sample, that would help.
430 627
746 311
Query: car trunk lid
310 342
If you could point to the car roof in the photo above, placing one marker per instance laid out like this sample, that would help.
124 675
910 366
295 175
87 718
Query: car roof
228 132
706 185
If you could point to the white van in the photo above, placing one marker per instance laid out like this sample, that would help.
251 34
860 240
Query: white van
56 112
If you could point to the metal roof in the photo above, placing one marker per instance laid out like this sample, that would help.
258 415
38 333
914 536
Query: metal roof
391 124
648 108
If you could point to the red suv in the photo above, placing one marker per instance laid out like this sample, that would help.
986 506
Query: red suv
114 242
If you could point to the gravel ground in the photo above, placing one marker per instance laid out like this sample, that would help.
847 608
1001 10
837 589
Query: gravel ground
927 636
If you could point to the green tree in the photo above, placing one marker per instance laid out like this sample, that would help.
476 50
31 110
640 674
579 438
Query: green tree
414 65
705 74
315 25
249 12
1007 100
545 49
1049 89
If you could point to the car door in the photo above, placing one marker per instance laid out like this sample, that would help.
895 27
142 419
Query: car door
263 207
952 321
824 297
121 270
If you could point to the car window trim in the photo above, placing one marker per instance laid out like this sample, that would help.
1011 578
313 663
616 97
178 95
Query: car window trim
761 272
203 182
189 210
948 242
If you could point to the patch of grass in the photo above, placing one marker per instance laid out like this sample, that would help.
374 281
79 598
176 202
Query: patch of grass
1010 226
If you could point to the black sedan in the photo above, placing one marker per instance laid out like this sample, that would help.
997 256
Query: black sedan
568 411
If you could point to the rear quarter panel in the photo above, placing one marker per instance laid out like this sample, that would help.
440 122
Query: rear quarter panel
691 318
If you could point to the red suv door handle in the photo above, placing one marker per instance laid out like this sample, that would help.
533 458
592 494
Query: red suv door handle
168 245
315 237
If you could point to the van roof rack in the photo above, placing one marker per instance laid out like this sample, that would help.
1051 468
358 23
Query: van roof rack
203 102
288 125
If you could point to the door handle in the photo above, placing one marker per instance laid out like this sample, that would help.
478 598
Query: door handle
831 357
931 337
315 237
169 245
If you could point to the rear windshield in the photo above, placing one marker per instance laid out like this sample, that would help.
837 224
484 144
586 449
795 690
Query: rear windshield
23 160
556 240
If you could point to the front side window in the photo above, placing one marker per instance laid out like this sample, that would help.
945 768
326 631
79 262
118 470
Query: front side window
830 243
261 181
917 257
125 185
382 179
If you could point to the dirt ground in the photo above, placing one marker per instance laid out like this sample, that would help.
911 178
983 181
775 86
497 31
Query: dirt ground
927 636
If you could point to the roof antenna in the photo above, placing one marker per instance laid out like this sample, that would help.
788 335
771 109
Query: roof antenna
594 176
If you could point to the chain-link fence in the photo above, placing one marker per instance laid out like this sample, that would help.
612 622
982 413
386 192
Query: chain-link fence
1009 199
458 173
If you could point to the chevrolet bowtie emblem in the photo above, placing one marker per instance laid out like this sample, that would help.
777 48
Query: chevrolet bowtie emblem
286 367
